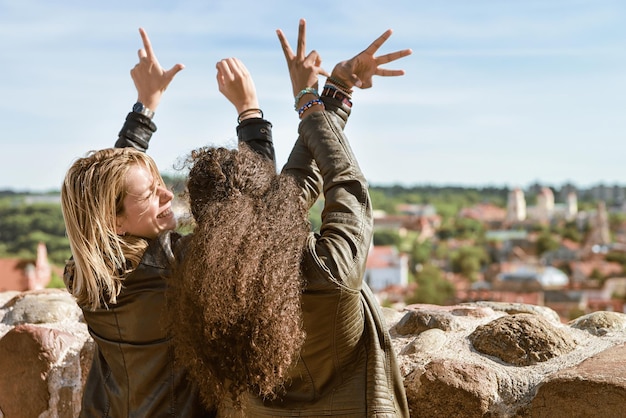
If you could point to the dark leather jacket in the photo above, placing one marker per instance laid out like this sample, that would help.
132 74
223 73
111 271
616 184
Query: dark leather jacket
133 372
347 366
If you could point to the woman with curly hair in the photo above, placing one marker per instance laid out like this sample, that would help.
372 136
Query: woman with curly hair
270 318
236 314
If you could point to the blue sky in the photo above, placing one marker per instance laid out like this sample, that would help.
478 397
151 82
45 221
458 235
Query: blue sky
499 92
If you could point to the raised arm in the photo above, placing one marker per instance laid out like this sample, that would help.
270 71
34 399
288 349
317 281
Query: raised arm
346 231
303 72
235 83
151 81
347 221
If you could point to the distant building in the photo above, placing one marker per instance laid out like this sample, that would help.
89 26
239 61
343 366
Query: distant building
504 244
385 267
416 209
584 270
516 206
599 237
506 235
612 194
571 206
567 251
567 210
21 275
424 225
522 277
545 205
487 213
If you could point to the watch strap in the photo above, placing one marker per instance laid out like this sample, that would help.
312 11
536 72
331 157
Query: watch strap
143 110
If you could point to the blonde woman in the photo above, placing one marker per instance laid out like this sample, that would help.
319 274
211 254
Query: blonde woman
120 225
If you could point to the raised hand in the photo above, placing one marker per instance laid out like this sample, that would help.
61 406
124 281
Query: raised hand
149 77
236 84
303 70
359 70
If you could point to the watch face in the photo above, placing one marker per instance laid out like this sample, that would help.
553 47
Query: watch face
140 108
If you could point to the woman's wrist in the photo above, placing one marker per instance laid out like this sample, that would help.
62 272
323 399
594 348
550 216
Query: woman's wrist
345 85
149 101
305 95
311 110
304 99
332 90
307 99
250 113
314 105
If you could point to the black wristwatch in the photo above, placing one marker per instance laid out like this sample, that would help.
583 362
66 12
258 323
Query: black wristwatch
140 108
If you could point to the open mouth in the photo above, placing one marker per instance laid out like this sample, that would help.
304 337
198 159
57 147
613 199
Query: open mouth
165 213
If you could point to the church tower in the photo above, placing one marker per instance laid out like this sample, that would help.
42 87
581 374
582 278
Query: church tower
516 206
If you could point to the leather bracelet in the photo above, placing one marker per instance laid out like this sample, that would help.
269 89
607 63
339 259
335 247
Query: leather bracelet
338 83
336 93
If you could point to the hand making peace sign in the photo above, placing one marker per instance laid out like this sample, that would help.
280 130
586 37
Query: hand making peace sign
149 77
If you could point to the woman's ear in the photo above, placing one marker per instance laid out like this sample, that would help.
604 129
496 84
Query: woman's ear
119 226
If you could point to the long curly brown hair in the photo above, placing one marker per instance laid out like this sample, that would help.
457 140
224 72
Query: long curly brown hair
235 312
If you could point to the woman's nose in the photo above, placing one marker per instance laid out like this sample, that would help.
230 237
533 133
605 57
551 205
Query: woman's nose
165 194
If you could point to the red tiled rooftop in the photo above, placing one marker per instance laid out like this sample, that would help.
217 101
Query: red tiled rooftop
12 274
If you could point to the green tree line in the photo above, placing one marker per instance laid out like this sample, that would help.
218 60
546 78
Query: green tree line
24 222
23 225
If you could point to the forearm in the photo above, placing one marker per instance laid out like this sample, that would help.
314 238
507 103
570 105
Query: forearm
301 163
303 168
347 216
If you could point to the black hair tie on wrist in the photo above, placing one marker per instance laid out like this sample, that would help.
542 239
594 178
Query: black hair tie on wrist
247 112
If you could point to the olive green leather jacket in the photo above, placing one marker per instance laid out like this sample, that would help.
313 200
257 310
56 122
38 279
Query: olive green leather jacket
347 366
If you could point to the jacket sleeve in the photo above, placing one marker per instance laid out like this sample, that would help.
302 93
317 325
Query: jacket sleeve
301 164
136 132
340 250
138 129
257 133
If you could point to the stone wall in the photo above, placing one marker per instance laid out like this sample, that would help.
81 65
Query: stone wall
45 354
510 360
482 359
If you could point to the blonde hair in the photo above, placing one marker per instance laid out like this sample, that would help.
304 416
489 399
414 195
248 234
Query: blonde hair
92 196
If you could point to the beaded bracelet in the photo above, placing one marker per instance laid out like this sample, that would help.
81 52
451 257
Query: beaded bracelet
336 93
247 112
307 90
309 105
